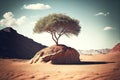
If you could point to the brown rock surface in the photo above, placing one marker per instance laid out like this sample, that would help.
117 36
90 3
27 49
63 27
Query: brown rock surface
60 54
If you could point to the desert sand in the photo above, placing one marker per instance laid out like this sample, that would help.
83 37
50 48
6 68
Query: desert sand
92 67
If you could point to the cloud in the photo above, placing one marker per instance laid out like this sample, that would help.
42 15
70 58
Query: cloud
21 20
37 6
9 20
107 28
8 15
33 23
102 14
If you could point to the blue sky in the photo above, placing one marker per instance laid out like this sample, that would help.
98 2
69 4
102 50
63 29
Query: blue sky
99 20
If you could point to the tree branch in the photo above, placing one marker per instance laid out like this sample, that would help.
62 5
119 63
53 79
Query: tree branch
55 35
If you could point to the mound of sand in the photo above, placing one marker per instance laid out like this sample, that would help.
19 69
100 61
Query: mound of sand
60 54
116 48
114 53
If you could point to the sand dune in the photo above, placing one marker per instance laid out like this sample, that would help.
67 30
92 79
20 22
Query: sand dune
93 67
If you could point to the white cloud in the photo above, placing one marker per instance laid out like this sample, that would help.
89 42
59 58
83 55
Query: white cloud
102 14
21 20
37 6
108 28
8 15
9 20
33 23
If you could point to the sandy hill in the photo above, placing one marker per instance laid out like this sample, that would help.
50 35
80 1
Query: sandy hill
116 49
114 53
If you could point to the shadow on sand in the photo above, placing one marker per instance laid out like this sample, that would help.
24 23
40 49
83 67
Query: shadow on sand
86 63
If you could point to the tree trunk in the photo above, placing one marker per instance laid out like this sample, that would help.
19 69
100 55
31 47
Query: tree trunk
57 43
54 39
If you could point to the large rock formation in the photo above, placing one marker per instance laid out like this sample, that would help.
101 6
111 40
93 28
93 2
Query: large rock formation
14 45
60 54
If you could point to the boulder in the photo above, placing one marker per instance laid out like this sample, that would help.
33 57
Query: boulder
60 54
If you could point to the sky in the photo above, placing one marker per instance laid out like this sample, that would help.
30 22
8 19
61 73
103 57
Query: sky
99 20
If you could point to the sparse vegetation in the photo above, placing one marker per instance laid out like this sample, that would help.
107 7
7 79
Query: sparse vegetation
57 25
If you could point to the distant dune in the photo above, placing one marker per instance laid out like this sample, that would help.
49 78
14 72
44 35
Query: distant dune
94 51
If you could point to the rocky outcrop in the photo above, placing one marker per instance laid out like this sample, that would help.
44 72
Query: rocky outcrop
60 54
14 45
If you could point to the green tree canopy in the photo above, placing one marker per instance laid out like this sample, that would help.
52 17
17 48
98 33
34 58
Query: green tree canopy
57 25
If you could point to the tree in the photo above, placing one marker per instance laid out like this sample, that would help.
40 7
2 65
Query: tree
58 25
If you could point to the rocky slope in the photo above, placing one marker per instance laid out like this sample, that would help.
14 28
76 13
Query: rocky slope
14 45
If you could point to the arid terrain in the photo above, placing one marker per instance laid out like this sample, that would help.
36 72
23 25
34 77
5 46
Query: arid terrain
59 39
92 67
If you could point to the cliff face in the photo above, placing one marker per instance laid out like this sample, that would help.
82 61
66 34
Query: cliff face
14 45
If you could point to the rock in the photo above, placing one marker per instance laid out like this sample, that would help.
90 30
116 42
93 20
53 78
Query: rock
15 45
60 54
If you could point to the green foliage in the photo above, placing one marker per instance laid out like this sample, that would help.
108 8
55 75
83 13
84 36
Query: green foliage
57 25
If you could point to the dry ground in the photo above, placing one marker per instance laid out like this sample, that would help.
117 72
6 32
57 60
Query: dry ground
93 67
